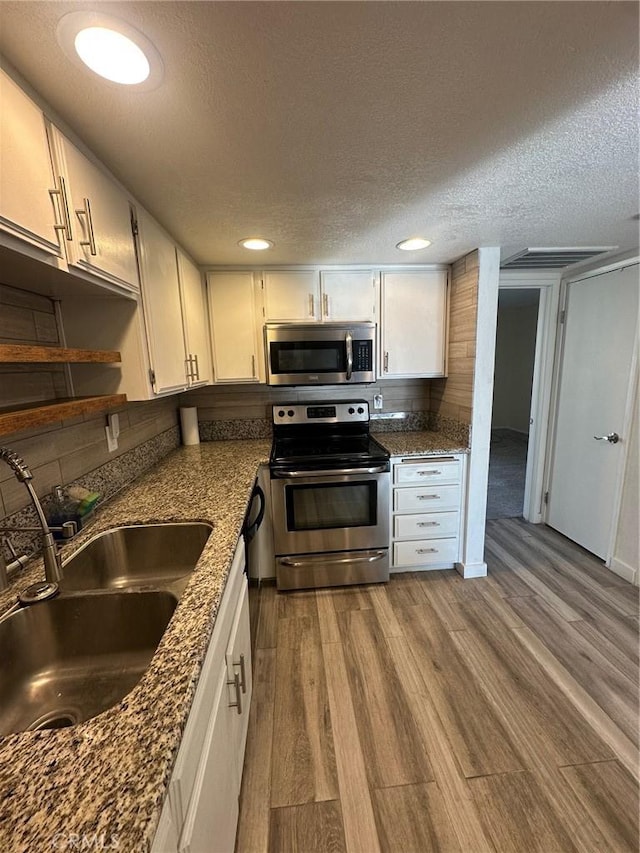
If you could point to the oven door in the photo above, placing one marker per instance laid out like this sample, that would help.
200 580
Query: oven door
336 510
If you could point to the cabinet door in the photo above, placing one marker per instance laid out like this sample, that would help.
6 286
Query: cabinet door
291 296
233 327
162 311
239 681
414 323
212 817
101 219
196 326
26 175
349 295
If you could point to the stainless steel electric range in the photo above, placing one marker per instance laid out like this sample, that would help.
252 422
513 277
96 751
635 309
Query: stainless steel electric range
330 490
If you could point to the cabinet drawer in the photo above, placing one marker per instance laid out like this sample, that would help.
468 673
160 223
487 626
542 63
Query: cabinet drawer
432 525
427 472
427 498
425 552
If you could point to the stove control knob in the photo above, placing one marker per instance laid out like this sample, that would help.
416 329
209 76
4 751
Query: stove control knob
351 410
291 413
281 413
360 410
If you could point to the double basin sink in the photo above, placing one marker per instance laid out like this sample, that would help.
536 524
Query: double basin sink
70 658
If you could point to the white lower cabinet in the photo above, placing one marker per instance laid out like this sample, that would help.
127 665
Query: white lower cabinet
426 519
200 813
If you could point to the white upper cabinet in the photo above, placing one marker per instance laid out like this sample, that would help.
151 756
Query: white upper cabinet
29 206
100 215
414 323
162 309
303 296
291 296
195 321
235 336
348 295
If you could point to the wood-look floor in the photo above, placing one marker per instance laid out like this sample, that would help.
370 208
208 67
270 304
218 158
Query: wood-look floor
433 713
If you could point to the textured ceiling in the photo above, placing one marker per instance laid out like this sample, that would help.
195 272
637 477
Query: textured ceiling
338 128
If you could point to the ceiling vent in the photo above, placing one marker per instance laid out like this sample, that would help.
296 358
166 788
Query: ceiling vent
550 259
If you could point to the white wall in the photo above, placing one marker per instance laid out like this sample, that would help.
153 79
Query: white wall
515 350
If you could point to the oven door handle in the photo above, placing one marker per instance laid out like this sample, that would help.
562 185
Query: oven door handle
333 472
349 343
300 562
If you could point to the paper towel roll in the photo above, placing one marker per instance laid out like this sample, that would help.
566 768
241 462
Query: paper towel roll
189 425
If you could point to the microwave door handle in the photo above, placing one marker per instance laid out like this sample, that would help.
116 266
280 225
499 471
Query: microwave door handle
349 342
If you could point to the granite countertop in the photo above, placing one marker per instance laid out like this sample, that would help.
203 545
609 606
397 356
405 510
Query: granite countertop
419 443
106 778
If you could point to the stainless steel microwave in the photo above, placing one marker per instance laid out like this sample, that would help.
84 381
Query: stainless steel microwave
326 354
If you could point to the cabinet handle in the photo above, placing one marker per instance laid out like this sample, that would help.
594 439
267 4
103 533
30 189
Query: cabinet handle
312 305
64 209
253 366
428 497
243 673
427 473
325 301
428 524
91 242
386 362
236 683
187 367
197 368
426 550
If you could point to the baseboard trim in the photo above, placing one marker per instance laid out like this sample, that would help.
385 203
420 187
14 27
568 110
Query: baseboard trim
471 570
624 570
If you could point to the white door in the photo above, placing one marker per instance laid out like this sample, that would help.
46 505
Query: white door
196 327
233 327
599 336
292 296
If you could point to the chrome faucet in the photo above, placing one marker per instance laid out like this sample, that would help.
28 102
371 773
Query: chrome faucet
50 554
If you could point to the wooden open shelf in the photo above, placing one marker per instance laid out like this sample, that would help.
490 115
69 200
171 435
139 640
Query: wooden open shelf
16 353
29 415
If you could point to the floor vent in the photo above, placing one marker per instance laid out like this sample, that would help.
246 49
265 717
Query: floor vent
550 259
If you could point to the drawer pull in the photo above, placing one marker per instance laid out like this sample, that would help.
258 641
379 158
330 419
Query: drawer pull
428 473
428 524
426 550
428 497
243 673
236 683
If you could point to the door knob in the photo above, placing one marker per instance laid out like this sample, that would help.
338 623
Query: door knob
612 438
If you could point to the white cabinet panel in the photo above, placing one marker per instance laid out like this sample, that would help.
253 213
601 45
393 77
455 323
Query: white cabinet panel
212 817
26 174
233 327
414 323
349 295
100 218
427 511
195 322
419 526
291 296
425 552
239 678
427 498
427 472
162 310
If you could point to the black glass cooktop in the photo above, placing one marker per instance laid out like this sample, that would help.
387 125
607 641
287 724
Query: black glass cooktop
327 450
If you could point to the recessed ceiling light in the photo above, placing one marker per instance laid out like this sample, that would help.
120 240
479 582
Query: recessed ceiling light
111 48
413 244
256 244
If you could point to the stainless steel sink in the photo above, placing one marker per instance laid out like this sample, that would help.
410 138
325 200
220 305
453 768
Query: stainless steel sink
149 555
67 659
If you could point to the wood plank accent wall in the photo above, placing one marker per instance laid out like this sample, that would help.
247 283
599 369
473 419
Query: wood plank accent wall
452 397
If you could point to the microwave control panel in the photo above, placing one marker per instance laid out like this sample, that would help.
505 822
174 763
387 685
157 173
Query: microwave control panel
363 356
